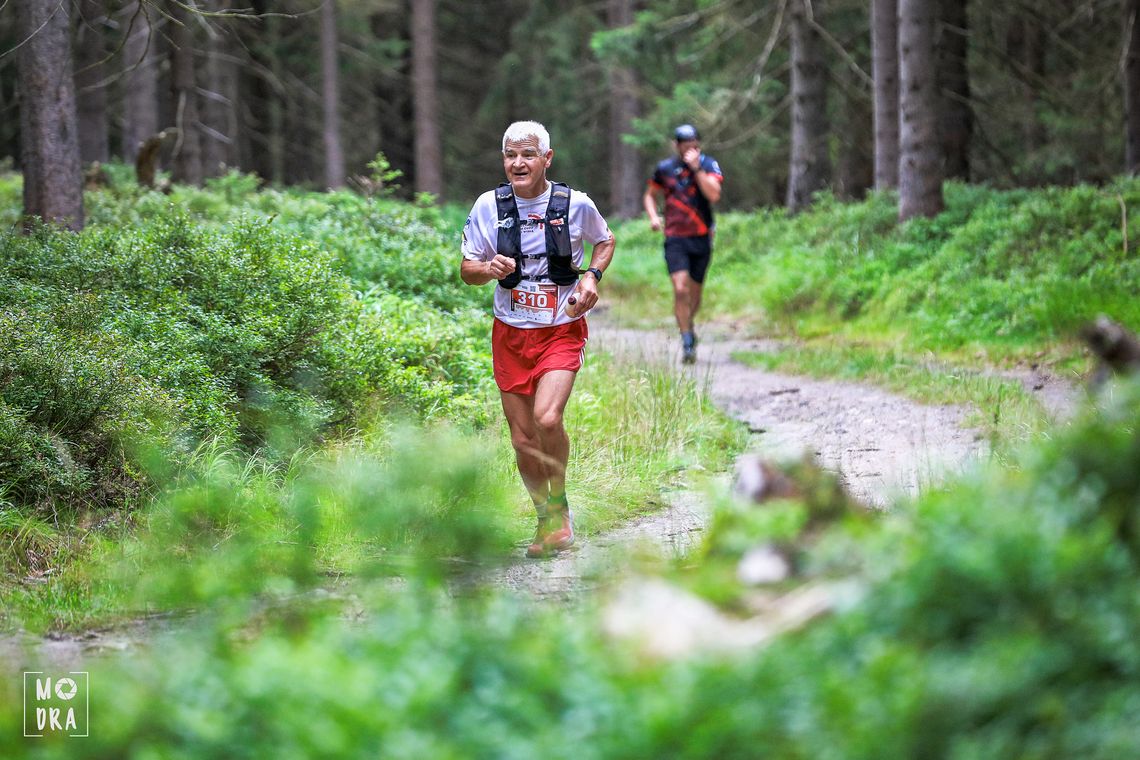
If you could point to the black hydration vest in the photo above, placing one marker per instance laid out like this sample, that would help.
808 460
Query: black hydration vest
561 269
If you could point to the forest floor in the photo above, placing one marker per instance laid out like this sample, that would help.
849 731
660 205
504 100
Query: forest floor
882 445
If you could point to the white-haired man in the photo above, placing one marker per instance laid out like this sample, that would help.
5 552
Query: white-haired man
529 234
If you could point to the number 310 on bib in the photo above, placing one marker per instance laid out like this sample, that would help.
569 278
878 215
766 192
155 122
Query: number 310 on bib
535 302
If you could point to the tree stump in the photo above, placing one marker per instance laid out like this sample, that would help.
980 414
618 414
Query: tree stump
1117 349
146 163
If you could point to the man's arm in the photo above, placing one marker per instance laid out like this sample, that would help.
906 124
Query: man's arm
477 271
603 254
586 294
649 201
482 272
709 184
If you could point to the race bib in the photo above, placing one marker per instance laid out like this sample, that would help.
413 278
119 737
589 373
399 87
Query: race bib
534 302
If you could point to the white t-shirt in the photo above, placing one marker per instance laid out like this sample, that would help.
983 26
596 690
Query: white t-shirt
533 303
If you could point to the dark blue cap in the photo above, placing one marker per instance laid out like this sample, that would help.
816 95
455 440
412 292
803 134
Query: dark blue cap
686 132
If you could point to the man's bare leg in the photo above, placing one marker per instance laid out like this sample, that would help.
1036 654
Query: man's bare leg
686 302
519 411
683 300
542 451
695 289
550 399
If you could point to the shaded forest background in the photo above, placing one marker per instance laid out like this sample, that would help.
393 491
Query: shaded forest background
306 93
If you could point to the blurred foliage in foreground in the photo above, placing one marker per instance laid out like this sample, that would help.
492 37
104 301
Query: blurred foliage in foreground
998 618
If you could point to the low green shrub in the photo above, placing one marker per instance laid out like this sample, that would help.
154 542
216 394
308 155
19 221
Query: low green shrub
241 327
1010 271
70 408
400 248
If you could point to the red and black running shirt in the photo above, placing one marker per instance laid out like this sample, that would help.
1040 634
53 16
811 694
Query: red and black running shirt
688 212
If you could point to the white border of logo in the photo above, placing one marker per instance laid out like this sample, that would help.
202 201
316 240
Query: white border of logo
86 702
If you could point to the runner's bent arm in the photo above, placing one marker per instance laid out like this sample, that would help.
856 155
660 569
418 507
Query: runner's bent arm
603 254
481 272
709 184
481 264
586 294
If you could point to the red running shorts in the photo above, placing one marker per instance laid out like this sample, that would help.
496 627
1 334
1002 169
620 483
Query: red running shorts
521 357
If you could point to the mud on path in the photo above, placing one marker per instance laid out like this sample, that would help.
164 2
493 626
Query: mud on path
883 446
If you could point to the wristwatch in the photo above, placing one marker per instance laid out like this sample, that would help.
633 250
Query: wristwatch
596 272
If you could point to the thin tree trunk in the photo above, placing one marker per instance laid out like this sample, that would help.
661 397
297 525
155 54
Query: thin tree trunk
1025 47
810 164
53 176
920 159
625 169
90 93
1132 88
1035 48
187 167
957 121
219 111
395 112
140 84
278 108
330 79
9 145
885 72
855 167
429 151
262 117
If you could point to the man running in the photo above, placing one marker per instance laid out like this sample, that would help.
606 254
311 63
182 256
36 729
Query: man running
528 234
690 183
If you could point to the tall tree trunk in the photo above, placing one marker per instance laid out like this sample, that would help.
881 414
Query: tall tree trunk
140 83
263 122
219 104
277 134
1025 47
1132 88
53 176
957 121
187 166
1035 47
90 92
855 171
885 72
429 149
395 112
625 168
920 154
330 79
9 145
810 164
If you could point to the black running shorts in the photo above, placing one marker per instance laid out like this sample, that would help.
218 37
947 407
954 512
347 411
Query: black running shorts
689 254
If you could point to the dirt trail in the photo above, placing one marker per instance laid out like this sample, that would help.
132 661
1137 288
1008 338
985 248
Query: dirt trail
884 446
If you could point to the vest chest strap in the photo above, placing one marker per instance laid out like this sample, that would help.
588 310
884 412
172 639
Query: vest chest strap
559 252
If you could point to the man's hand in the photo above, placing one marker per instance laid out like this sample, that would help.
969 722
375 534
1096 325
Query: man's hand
692 158
584 297
500 266
655 223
